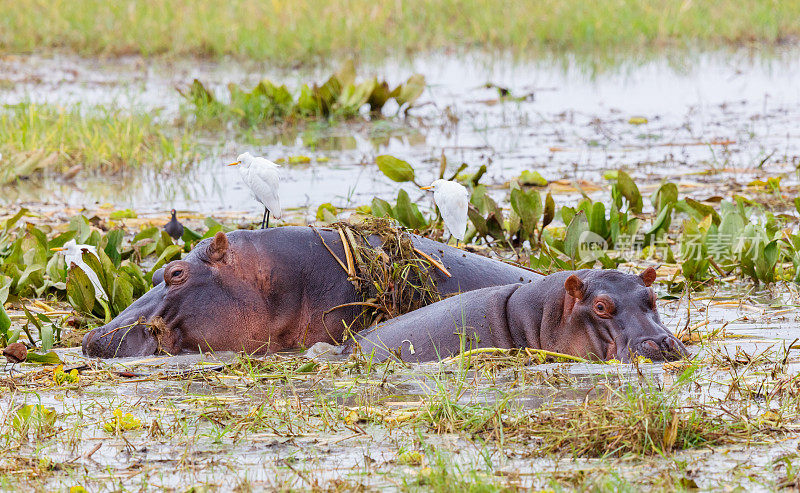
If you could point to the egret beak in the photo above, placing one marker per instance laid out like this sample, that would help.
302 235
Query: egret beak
60 249
426 188
234 164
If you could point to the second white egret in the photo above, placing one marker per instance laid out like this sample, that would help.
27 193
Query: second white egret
263 178
73 254
452 199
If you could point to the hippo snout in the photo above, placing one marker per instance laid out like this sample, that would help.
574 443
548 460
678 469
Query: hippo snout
120 341
127 335
663 348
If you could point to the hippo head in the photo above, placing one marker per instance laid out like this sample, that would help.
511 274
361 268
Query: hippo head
193 300
613 315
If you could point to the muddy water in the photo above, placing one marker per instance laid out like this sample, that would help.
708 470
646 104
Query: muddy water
734 116
200 445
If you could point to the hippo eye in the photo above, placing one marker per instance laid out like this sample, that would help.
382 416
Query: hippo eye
603 307
175 274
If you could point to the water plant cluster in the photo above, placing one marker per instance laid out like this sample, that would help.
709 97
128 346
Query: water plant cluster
707 239
30 268
340 97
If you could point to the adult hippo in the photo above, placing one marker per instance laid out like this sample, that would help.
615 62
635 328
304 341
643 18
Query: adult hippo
264 291
598 314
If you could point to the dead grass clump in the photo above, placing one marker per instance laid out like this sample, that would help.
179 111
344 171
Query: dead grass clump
386 269
637 421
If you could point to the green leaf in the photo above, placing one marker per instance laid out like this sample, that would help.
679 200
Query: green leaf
5 286
33 416
408 213
82 228
61 239
80 291
731 225
528 207
31 276
190 235
630 191
146 234
409 92
5 322
326 212
381 208
596 215
48 358
396 169
532 178
35 321
46 337
661 220
11 221
122 295
380 94
549 210
703 210
478 221
572 236
112 249
167 255
666 194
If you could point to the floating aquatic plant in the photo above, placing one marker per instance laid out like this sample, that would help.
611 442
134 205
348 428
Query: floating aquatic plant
340 97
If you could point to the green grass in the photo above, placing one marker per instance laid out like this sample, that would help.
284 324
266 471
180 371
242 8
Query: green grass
36 137
291 31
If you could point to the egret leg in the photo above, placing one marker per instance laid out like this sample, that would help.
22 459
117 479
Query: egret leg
265 219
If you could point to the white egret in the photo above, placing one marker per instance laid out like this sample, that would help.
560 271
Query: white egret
263 177
73 254
452 200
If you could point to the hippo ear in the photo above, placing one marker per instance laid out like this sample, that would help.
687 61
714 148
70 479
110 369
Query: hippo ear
648 276
574 287
218 247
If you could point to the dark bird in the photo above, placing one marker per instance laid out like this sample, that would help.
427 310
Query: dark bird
16 352
174 228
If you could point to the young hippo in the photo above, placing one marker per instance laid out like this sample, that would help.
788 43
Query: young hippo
595 314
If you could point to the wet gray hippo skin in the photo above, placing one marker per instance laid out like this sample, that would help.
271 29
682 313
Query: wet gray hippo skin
596 314
263 291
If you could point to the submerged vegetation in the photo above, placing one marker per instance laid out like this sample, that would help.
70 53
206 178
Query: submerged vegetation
36 137
310 30
461 432
340 97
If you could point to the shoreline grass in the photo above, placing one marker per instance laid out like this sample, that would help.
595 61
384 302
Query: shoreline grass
35 137
313 30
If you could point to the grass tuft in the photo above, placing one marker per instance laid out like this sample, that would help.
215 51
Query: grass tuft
36 137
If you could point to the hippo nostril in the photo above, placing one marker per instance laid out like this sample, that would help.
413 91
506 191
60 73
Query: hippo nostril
651 344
